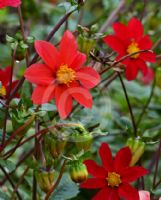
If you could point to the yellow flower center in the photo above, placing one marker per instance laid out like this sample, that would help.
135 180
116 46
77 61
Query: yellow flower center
113 179
3 91
65 75
132 48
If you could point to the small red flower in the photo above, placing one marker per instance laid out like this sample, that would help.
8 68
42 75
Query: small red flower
61 77
114 176
12 3
130 39
4 83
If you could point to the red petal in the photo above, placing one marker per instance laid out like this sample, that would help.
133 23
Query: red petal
147 79
122 158
81 95
145 42
133 173
93 183
95 170
128 192
12 3
48 53
68 48
39 74
43 94
88 77
115 44
131 70
106 194
121 32
14 84
5 75
148 57
63 101
78 61
106 157
142 66
135 29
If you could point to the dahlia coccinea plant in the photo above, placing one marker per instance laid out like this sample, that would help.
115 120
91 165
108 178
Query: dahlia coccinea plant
80 100
114 176
129 39
62 76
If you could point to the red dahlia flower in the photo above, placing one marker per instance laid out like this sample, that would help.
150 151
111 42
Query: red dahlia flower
114 176
12 3
61 77
4 83
130 39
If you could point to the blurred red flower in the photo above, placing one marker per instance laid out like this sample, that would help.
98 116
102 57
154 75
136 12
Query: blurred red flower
147 79
114 176
61 76
130 39
12 3
4 83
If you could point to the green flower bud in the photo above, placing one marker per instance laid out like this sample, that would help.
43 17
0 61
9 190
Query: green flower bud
55 145
45 179
137 148
83 141
78 172
85 44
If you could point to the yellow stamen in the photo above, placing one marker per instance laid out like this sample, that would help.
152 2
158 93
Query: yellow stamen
65 75
113 179
3 91
132 48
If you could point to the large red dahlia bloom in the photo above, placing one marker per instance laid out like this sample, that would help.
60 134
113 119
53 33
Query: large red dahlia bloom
4 83
62 76
12 3
130 39
114 176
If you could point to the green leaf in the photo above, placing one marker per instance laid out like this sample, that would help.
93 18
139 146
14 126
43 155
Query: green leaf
66 189
4 196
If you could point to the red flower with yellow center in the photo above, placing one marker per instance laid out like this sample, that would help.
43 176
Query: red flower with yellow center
4 83
61 76
12 3
131 39
114 176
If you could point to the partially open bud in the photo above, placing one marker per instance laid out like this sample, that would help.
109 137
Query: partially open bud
137 148
78 172
45 179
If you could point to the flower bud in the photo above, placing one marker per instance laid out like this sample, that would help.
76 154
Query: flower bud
86 44
45 179
55 145
78 172
137 148
83 141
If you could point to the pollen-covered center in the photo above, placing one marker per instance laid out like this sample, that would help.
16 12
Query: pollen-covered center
132 48
2 91
65 75
113 179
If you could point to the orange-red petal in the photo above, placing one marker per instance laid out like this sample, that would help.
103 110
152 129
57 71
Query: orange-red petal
88 77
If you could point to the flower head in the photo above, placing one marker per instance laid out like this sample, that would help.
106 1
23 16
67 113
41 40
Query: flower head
4 83
129 40
12 3
61 76
113 178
